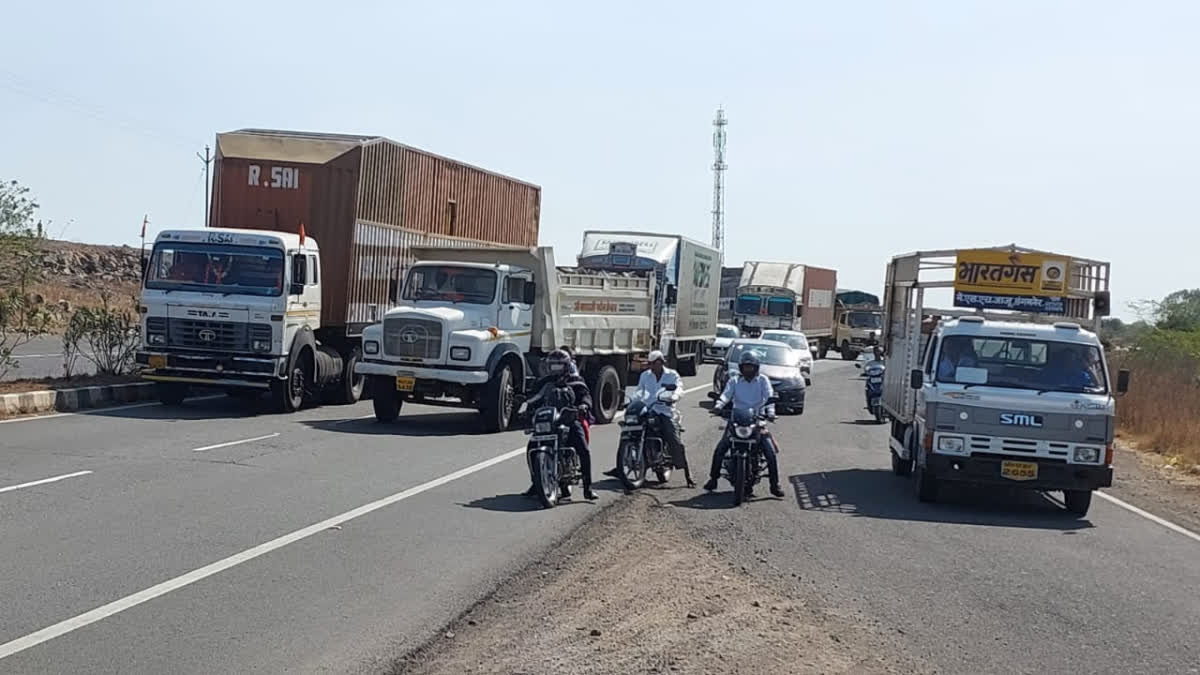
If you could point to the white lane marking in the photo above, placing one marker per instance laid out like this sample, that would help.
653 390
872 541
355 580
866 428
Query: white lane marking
353 419
230 443
1149 516
92 411
63 627
130 601
43 481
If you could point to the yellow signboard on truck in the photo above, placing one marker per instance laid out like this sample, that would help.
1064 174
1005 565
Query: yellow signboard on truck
1029 282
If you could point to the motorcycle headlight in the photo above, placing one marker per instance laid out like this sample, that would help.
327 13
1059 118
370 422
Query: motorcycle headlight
543 427
743 432
371 347
1087 455
950 444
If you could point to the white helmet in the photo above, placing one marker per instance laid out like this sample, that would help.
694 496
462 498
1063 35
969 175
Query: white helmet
656 355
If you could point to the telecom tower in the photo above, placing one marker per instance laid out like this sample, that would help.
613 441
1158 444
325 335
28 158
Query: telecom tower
719 166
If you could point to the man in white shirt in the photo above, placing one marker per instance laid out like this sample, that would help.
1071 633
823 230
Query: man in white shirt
653 380
749 389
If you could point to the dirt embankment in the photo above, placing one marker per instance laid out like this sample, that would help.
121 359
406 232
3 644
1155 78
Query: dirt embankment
633 592
73 275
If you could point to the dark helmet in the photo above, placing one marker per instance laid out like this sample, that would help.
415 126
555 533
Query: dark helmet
748 365
558 363
878 351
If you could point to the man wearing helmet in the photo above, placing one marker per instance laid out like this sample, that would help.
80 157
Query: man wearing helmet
654 379
751 390
560 373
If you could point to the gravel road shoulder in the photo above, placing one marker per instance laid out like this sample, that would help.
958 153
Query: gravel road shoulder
632 591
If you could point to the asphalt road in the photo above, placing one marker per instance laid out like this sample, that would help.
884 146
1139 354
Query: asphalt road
218 540
42 357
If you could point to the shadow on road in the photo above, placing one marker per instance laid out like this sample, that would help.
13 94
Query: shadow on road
876 493
208 407
417 424
505 504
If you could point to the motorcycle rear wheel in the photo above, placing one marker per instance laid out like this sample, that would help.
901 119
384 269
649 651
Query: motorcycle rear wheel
545 477
632 463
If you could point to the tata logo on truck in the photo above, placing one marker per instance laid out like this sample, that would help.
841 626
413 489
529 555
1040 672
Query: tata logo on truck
1021 420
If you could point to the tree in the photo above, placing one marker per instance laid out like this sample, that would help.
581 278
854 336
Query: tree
1180 311
21 317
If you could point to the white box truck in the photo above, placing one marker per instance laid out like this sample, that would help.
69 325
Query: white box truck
1006 388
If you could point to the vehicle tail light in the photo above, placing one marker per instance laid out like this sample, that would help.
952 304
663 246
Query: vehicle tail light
1108 455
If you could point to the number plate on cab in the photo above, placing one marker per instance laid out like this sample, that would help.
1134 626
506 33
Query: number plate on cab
405 382
1019 470
157 361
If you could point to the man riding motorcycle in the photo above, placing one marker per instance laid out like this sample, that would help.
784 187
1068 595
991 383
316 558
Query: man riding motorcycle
559 374
651 382
751 390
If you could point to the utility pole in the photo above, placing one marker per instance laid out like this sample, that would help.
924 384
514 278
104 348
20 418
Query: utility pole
719 166
207 159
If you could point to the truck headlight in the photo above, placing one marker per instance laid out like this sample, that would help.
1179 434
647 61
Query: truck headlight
950 444
460 353
1087 455
156 339
371 347
261 345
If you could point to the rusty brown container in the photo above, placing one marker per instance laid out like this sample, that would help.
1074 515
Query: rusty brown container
820 289
366 200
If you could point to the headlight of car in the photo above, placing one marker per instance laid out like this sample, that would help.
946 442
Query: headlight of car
156 339
371 347
460 353
743 432
950 444
261 345
543 427
1087 455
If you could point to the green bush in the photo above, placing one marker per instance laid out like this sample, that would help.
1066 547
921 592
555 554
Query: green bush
111 337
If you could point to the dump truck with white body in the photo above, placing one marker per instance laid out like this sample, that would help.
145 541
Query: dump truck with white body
473 325
1005 388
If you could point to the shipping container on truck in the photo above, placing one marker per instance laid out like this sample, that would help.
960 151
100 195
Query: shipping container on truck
367 201
687 273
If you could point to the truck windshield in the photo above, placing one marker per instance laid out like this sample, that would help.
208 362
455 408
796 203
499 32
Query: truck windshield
210 268
1018 363
748 304
471 285
779 307
864 319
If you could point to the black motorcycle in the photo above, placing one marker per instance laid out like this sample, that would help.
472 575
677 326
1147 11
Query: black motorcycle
744 464
873 371
641 448
553 462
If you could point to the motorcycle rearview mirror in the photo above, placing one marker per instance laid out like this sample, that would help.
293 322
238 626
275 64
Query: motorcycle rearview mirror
916 379
1122 381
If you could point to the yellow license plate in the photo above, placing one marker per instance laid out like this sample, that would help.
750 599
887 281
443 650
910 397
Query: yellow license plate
1019 470
157 361
405 383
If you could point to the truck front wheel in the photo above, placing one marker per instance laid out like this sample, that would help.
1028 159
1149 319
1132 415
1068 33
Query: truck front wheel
288 395
385 398
350 388
606 394
847 353
1078 501
499 400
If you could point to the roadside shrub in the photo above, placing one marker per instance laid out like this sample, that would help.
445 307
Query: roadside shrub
1162 408
22 317
105 336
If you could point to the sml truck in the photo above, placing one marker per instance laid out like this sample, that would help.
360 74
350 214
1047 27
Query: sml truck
991 396
856 325
686 289
240 310
473 325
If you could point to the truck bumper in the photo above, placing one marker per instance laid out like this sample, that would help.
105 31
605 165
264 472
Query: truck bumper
210 369
440 374
1051 475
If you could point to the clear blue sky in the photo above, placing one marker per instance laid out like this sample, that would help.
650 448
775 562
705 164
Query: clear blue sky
857 129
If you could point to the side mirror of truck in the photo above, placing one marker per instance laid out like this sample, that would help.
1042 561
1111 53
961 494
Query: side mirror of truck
916 379
296 289
530 293
1122 381
672 295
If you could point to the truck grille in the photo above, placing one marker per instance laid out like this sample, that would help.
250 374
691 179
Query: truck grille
214 335
412 338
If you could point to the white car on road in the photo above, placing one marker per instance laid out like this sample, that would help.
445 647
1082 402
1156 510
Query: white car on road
716 350
799 343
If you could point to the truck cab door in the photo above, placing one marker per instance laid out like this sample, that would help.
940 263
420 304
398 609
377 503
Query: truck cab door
514 316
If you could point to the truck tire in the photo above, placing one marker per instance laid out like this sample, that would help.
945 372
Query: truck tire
350 387
847 353
688 366
901 467
385 399
499 400
925 486
606 394
1078 501
171 393
287 396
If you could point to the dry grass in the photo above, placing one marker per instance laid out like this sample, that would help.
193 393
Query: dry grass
121 296
1161 412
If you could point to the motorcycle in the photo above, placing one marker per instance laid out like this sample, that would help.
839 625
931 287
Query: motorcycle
641 448
744 464
553 462
873 371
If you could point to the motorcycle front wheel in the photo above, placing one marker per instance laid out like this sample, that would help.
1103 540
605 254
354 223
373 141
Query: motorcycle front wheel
739 478
632 461
545 477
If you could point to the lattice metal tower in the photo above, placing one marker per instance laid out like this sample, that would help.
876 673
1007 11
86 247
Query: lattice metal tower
719 166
